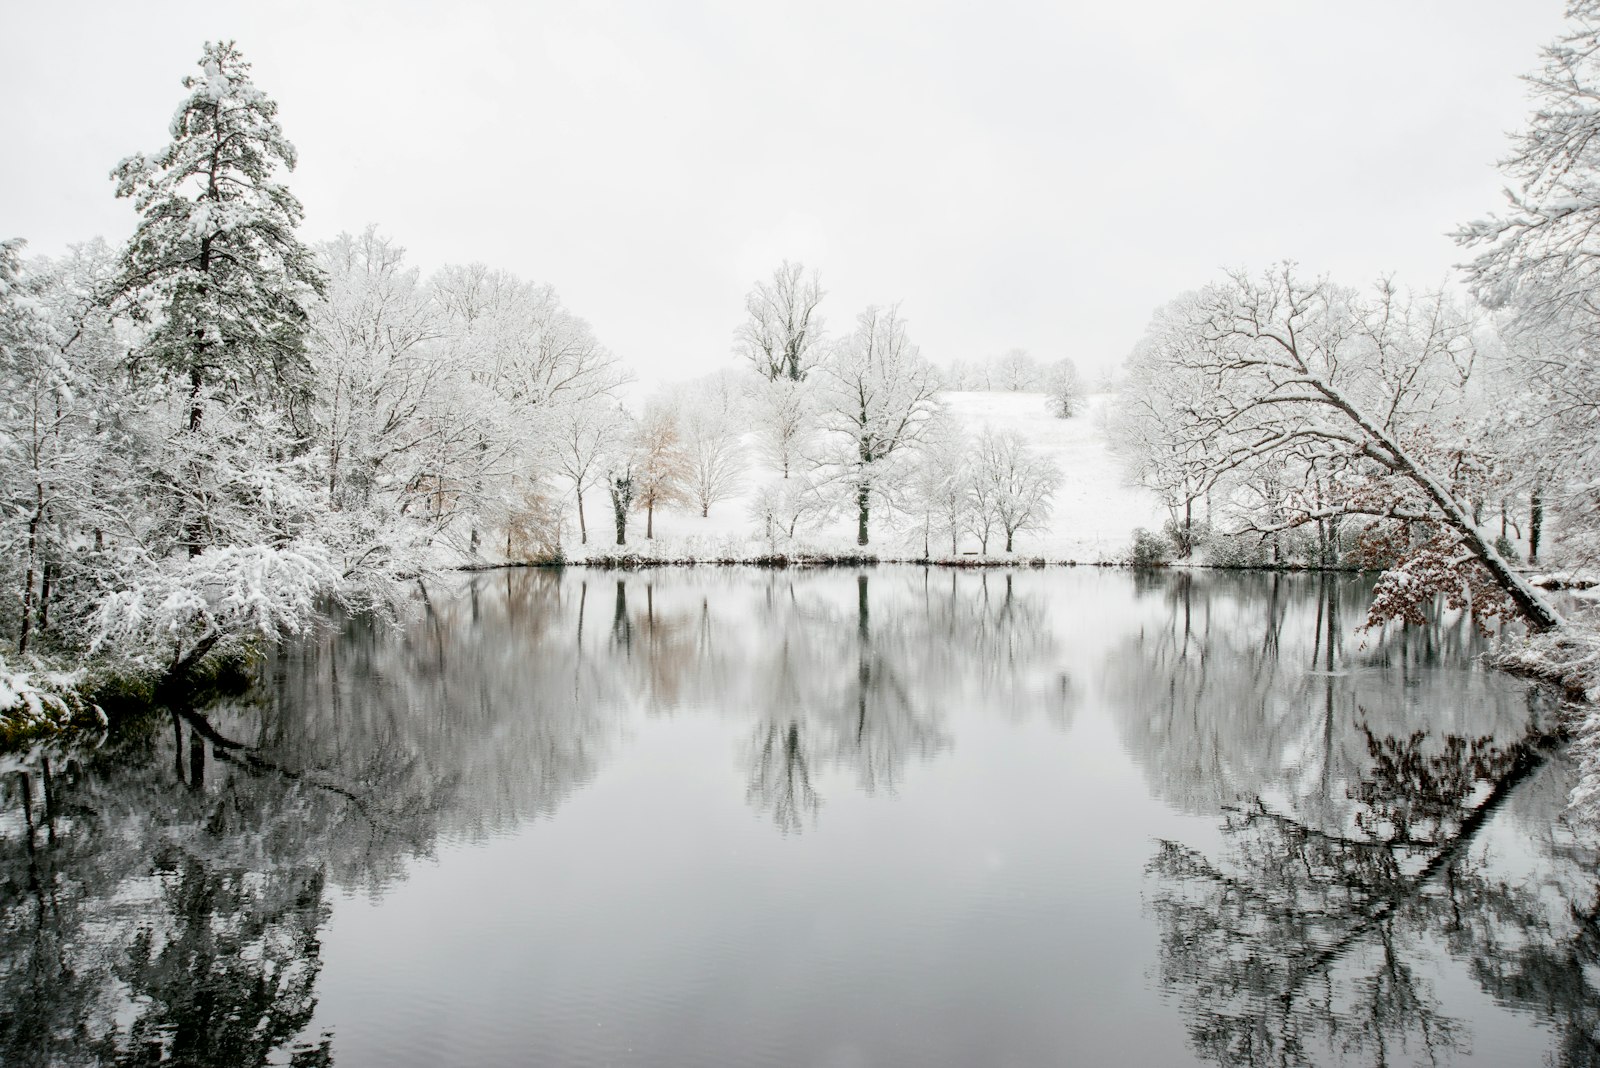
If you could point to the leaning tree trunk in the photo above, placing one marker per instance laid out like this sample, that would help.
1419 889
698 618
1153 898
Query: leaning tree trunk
1538 612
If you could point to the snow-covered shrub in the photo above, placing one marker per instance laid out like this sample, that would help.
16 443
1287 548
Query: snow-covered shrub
1231 550
40 700
184 608
1149 549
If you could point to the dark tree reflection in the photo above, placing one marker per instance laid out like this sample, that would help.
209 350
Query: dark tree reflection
163 895
159 910
1296 943
1372 835
859 675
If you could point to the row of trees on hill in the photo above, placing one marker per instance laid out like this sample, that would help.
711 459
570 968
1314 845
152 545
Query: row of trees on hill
1411 431
854 423
208 433
1014 371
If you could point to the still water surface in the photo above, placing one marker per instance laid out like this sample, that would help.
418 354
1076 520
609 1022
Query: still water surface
890 817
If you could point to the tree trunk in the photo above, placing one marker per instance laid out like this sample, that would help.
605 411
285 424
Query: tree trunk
47 577
650 521
1539 614
583 528
27 580
191 526
1008 544
862 503
1535 523
182 665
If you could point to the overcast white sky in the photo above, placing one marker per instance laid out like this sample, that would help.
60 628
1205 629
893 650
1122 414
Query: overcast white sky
1038 175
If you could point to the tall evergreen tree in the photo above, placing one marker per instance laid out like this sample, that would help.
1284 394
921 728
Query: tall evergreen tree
215 266
216 271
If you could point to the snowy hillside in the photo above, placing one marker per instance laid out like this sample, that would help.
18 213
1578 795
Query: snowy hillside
1094 515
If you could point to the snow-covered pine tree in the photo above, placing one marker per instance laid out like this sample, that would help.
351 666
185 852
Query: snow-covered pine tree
214 265
216 271
234 545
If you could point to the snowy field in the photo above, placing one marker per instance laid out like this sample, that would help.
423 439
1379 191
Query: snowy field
1093 519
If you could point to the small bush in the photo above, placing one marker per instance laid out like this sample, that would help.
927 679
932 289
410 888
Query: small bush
1233 550
1149 549
1505 547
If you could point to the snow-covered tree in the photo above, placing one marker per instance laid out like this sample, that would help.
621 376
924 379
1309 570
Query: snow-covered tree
392 413
375 355
783 414
660 466
782 333
59 469
620 488
214 265
1063 388
1341 396
779 506
711 413
585 434
1538 257
222 286
1146 422
1015 371
523 356
938 485
1012 485
875 395
1538 265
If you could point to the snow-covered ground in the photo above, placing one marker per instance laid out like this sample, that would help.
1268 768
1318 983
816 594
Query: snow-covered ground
1093 519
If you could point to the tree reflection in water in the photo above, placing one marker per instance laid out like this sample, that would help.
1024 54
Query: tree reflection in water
909 650
163 895
1358 851
159 911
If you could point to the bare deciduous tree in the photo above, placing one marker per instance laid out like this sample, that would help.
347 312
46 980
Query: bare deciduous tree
1012 484
660 466
1063 388
1342 395
782 335
1016 372
876 394
714 455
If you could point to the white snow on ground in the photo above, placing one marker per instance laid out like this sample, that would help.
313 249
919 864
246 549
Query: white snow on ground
1093 520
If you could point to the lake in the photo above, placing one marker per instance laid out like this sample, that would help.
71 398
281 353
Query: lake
893 816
